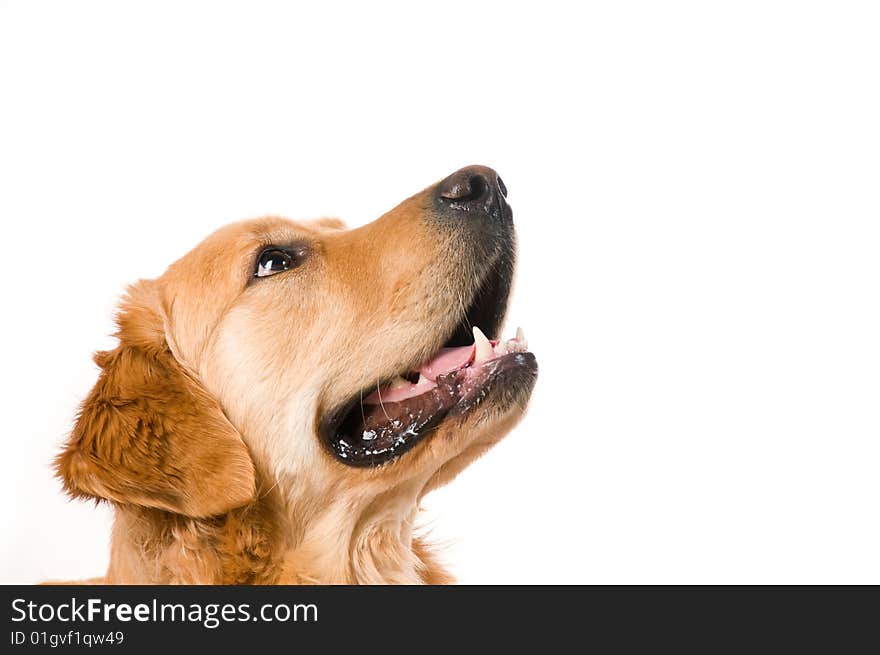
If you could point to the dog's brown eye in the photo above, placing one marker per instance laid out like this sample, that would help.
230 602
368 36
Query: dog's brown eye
273 260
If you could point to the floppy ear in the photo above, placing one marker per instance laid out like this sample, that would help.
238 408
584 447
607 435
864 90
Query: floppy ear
148 434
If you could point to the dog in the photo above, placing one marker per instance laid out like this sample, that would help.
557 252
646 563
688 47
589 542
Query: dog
284 395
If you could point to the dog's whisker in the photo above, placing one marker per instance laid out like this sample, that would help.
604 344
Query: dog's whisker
463 309
381 404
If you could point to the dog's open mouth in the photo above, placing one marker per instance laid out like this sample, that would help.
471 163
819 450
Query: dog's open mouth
392 419
386 420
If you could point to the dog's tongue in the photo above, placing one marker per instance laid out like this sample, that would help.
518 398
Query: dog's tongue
446 361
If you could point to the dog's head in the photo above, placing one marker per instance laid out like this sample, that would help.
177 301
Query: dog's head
340 361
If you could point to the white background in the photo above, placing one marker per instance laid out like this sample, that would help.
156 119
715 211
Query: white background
696 191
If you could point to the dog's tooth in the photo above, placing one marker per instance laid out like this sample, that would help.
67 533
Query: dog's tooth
502 348
423 380
397 382
521 338
484 350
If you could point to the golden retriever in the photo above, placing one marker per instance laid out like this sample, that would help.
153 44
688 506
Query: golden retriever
284 395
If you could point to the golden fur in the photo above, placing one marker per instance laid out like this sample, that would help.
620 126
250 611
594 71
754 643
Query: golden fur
201 427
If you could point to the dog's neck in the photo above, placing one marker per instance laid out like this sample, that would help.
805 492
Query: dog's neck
355 540
273 540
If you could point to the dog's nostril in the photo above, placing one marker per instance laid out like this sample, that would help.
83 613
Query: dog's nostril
463 187
474 188
477 187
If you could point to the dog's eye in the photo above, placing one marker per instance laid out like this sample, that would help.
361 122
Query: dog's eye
274 260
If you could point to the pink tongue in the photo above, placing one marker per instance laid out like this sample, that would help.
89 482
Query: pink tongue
448 359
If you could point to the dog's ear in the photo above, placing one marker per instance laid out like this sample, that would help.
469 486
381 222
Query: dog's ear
148 434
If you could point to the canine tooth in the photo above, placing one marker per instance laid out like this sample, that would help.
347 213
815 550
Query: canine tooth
502 348
423 380
521 337
484 350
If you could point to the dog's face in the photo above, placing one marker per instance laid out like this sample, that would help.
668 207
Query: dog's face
342 361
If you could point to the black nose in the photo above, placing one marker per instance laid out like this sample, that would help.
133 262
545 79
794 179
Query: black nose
475 189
